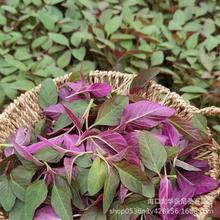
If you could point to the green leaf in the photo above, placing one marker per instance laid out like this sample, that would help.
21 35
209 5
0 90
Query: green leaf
106 42
143 78
48 93
84 161
53 2
46 20
200 122
55 71
172 152
38 42
76 197
18 190
17 213
205 60
25 178
3 20
7 198
82 179
9 92
105 16
110 187
37 2
93 213
211 42
64 59
192 41
79 53
87 3
90 17
59 38
190 96
193 89
135 179
23 85
157 58
12 61
39 189
61 202
96 177
111 110
216 127
75 41
49 155
78 108
152 153
209 26
113 24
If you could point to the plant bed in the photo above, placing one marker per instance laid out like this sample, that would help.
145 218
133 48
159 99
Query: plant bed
98 151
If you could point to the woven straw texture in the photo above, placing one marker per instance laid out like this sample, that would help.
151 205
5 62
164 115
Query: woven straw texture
25 111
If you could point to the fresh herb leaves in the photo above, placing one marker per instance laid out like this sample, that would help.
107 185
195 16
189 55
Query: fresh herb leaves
96 151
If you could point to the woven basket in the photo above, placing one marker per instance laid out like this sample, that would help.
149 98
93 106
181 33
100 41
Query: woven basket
25 111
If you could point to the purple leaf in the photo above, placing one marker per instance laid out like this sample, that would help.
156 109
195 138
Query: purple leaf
59 170
180 198
97 89
185 127
165 193
74 119
70 141
119 156
122 193
145 114
76 86
49 176
172 134
109 141
183 183
58 148
186 166
63 93
201 182
21 137
46 212
201 164
195 145
161 138
9 151
54 110
26 155
68 166
100 89
33 148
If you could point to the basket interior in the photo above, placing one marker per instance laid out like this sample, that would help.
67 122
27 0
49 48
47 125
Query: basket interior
25 111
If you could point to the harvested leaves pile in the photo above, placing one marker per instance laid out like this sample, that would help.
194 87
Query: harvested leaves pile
99 155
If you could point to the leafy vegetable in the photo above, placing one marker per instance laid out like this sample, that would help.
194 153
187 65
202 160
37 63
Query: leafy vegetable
48 93
134 179
60 200
96 177
39 189
96 152
111 110
152 153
